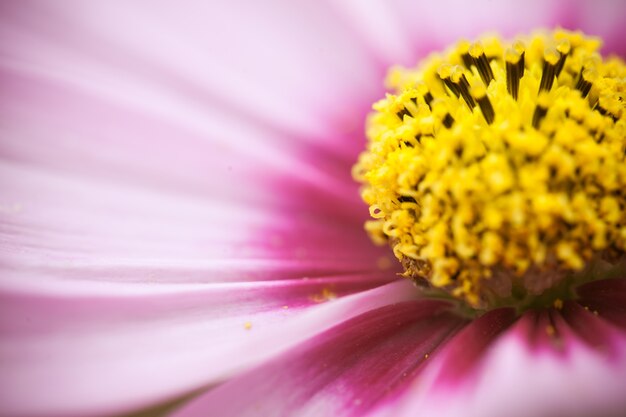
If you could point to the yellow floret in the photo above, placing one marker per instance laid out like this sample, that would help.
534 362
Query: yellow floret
496 160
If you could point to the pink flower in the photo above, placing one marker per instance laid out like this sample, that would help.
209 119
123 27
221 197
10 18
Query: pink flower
179 231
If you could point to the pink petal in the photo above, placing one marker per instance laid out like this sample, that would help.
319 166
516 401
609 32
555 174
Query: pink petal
402 31
53 222
254 59
549 363
141 196
345 371
212 183
204 151
107 349
436 24
602 18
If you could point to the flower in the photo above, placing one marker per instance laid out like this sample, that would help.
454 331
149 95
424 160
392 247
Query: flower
180 229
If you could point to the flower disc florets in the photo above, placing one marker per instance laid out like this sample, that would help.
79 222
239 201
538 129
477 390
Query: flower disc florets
497 169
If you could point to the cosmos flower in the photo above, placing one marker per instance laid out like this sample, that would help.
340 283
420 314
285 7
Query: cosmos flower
180 231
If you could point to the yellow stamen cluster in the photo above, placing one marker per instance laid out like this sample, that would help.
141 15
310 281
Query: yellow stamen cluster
499 167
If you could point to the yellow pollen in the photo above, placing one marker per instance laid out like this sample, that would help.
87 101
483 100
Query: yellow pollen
498 168
325 295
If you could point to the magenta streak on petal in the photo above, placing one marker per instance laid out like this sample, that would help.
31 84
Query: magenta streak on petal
544 330
465 351
307 204
309 196
343 372
323 226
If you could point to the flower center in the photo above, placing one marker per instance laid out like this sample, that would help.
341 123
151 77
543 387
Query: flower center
496 170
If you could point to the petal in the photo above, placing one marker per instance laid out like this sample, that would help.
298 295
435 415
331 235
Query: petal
106 349
551 355
549 363
161 142
401 31
103 283
141 199
600 18
428 26
114 82
93 230
345 371
253 59
606 298
260 193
